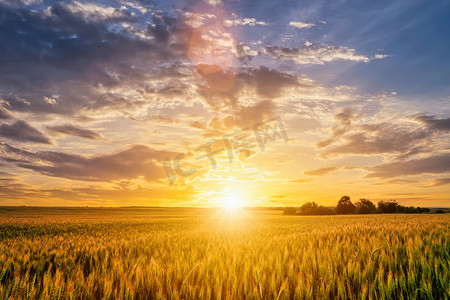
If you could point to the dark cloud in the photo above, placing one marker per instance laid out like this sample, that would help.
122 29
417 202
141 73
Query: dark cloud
76 131
250 115
78 55
435 124
137 161
223 89
22 132
440 181
321 171
223 92
4 114
269 83
244 53
345 118
315 54
375 138
431 165
243 118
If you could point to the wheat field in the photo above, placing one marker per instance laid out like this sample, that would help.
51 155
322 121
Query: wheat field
180 253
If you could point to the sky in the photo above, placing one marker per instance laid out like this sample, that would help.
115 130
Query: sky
196 103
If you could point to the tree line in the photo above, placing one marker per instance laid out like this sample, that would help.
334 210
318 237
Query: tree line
363 206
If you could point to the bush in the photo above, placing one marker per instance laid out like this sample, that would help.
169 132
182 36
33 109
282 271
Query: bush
439 211
289 211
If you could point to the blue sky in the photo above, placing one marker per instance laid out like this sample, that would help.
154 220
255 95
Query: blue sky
413 33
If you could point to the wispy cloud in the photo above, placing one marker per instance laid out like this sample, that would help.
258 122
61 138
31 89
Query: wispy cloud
4 114
76 131
21 131
315 54
301 25
244 21
440 181
430 165
137 161
321 171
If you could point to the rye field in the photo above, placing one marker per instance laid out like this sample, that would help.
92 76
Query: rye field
181 253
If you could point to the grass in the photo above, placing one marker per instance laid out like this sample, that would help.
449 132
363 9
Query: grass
133 253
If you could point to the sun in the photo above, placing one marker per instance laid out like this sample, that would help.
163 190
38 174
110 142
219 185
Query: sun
233 200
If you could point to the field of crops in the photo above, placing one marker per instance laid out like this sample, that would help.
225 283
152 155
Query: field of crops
133 253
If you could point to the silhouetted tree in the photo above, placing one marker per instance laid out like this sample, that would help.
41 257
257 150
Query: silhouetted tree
345 206
387 206
365 206
439 211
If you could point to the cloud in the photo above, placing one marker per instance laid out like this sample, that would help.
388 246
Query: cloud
430 165
88 55
380 56
50 100
374 138
224 90
244 53
345 118
196 20
93 11
300 180
434 123
244 21
397 181
301 25
116 194
22 132
321 171
137 161
315 54
440 181
4 114
75 131
249 115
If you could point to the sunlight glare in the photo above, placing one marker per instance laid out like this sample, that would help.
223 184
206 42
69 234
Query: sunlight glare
233 200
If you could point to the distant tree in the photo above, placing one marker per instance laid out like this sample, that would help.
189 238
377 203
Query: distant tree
439 211
363 209
345 206
409 209
289 211
365 206
322 210
309 208
424 209
312 208
387 206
